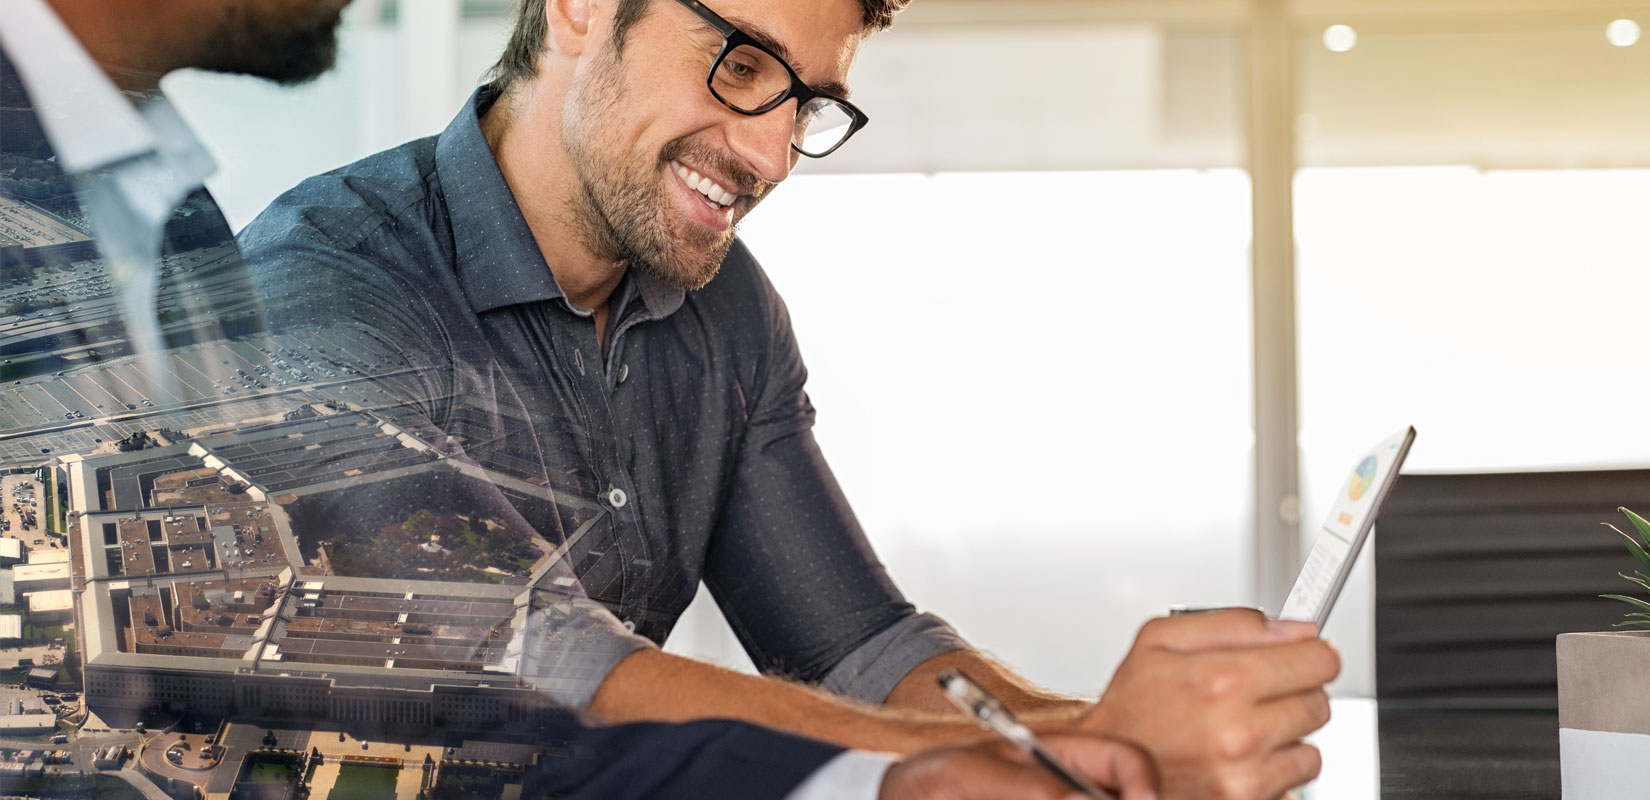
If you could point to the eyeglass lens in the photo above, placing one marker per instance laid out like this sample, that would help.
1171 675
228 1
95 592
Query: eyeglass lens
751 80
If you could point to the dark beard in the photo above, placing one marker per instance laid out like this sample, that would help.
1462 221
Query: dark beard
620 211
288 50
620 223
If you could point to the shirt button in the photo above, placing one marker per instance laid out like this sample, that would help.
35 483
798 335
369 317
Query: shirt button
624 372
630 625
616 497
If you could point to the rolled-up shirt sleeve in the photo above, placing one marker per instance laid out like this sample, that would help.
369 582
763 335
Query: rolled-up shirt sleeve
870 672
789 563
571 644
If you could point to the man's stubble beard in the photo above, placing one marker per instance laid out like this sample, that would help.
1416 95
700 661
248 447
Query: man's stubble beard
621 212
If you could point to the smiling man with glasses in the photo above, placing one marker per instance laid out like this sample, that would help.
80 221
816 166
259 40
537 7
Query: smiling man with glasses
559 269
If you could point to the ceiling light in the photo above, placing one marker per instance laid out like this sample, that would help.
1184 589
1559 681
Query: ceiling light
1622 33
1341 38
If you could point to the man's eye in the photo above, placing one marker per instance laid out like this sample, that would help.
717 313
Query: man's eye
738 69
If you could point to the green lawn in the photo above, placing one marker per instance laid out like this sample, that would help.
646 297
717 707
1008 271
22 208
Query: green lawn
54 514
361 782
44 634
468 783
265 776
269 772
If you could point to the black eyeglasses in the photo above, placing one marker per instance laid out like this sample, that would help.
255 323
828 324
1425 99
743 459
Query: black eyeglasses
751 80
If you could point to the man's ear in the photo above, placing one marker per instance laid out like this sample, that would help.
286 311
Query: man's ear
569 25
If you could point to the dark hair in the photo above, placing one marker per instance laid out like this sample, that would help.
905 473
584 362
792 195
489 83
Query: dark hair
520 58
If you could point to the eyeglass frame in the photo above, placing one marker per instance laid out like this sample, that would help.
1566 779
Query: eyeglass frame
733 37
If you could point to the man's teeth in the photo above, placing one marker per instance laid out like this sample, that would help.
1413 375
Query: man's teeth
707 187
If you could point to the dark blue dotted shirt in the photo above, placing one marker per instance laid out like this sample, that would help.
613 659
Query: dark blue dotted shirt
684 452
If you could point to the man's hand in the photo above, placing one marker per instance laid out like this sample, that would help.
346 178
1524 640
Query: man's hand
1220 701
994 769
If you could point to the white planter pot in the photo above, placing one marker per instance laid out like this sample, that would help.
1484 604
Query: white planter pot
1604 714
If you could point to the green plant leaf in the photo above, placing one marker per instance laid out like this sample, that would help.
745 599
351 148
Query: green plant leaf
1633 624
1625 599
1638 522
1632 546
1640 581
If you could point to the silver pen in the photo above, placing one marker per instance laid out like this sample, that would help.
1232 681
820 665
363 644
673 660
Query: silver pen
988 711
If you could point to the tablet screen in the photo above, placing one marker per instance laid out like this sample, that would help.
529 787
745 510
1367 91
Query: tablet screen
1335 548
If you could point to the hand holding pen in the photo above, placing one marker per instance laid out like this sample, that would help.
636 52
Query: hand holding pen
991 714
991 769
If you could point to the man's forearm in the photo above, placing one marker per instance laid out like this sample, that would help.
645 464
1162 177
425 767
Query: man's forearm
919 690
654 685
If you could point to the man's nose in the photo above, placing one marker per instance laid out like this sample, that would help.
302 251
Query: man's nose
764 141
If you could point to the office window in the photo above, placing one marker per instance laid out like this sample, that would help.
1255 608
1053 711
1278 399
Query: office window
1039 406
1472 260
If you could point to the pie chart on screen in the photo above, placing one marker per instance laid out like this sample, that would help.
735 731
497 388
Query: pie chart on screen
1362 479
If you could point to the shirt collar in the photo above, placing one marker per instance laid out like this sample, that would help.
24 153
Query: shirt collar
90 124
499 262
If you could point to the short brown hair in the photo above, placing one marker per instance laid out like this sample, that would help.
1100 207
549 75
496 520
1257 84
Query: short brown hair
520 58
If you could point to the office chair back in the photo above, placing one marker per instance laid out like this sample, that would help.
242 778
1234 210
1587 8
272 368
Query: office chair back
1475 576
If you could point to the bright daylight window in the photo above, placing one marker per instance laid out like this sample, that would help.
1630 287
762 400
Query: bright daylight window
1034 388
1497 311
1470 219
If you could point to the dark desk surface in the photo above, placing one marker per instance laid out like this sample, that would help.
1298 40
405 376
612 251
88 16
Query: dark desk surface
1388 750
1505 755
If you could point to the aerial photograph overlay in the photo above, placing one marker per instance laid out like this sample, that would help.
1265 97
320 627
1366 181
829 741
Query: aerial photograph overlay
239 568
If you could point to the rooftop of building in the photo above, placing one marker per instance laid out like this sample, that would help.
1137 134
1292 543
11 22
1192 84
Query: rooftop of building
40 572
49 555
210 577
54 600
